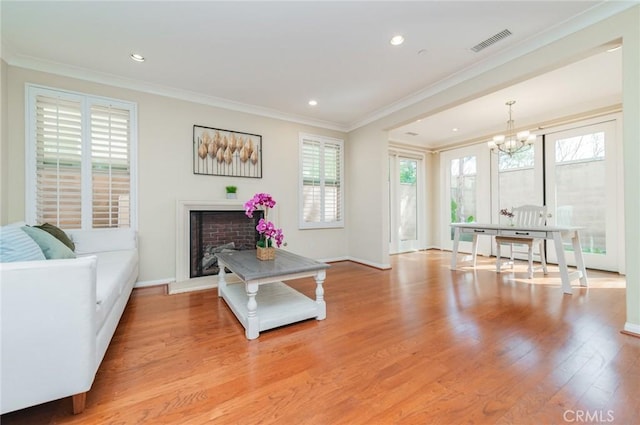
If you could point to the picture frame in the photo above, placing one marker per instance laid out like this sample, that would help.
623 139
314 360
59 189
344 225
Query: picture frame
219 152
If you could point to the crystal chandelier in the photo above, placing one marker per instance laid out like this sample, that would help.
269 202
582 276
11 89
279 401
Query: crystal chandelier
513 142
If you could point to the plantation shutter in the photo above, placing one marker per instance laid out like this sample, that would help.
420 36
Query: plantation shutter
332 183
58 161
110 169
311 189
80 160
321 182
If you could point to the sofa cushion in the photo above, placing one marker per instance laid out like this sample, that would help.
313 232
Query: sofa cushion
52 248
114 271
16 245
99 240
58 233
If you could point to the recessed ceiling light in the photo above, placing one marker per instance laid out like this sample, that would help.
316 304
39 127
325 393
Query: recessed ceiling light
313 102
137 57
396 40
454 129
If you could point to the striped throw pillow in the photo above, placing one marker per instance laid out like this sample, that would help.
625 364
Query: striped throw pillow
16 245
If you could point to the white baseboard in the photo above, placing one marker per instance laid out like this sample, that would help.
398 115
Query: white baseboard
199 283
145 283
333 259
210 282
370 263
632 328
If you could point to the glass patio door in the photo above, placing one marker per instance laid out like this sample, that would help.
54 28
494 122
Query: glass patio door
405 202
581 190
516 180
465 176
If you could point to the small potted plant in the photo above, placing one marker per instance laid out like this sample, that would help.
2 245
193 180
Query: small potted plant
232 192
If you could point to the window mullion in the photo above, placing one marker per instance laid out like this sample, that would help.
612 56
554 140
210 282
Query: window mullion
87 191
322 184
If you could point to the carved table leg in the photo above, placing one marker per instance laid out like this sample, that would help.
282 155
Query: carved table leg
222 283
322 306
253 322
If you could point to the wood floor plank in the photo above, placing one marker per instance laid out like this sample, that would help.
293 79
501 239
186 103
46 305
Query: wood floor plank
417 344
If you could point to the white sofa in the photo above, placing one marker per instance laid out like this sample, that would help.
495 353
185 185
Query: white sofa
58 317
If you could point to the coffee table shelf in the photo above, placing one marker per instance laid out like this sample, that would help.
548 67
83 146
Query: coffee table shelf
262 300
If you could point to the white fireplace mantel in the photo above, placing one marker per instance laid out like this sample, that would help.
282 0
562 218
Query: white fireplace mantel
183 282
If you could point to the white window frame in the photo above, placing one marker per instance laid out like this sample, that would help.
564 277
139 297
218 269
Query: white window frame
86 100
322 224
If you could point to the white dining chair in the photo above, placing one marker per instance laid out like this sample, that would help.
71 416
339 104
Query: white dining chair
525 216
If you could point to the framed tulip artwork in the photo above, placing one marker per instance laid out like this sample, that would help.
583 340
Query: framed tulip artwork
218 152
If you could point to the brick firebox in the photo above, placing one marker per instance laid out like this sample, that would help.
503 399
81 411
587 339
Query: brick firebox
213 231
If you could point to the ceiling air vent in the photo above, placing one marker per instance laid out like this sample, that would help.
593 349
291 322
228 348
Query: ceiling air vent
411 133
491 40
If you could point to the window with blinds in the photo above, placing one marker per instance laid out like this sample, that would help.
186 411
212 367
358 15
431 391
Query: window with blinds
110 172
321 177
58 161
79 160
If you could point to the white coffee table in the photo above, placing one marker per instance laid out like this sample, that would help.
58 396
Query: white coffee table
275 304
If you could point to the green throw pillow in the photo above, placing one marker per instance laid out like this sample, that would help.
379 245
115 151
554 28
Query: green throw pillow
52 248
59 234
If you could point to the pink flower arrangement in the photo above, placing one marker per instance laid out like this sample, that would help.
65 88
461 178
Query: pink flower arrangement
268 232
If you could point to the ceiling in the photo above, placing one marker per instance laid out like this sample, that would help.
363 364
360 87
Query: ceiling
585 86
271 58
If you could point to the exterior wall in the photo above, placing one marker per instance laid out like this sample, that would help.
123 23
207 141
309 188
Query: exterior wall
165 168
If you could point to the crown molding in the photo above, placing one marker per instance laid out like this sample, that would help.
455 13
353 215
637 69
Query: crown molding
85 74
6 52
589 17
599 12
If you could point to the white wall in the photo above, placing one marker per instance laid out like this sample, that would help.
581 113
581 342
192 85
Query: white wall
631 154
4 140
165 170
368 197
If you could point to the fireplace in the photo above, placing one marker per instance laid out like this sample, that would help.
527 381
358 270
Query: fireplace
184 282
214 231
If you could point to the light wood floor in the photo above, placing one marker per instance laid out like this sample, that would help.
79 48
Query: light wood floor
418 344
